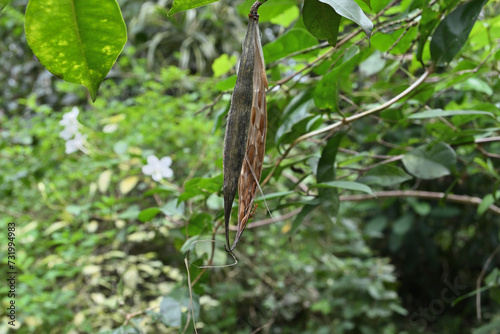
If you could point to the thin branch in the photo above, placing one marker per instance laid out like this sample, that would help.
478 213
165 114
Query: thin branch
269 220
350 119
422 194
480 279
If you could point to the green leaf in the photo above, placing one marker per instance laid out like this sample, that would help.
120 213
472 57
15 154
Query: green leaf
296 111
428 22
486 202
76 40
306 210
452 33
174 304
148 214
385 176
326 172
321 20
295 39
346 185
3 4
489 328
430 161
445 113
223 64
182 5
351 10
282 12
327 90
198 186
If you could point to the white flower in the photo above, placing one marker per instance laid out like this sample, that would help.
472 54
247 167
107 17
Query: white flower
158 169
76 143
70 123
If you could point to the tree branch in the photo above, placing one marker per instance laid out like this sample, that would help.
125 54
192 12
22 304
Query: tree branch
462 199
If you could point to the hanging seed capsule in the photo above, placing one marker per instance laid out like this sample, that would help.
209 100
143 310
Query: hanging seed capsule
245 129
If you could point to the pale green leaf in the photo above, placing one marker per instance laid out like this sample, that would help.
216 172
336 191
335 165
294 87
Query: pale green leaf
346 185
430 161
182 5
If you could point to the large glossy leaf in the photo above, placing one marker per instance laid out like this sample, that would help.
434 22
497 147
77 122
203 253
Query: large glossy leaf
430 161
321 20
294 40
445 113
452 33
76 40
326 173
182 5
351 10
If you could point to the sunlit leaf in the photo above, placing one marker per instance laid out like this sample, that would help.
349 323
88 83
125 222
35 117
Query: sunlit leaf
128 183
104 180
223 64
148 214
182 5
295 39
76 40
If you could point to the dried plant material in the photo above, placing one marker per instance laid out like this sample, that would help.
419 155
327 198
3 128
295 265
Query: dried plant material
246 129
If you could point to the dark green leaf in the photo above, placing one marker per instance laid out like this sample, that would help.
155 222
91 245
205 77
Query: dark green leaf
296 111
295 39
444 113
351 10
77 41
321 20
148 214
181 5
430 161
326 173
306 210
452 33
386 176
327 90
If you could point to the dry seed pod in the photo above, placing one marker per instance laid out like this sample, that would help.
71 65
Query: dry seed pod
245 130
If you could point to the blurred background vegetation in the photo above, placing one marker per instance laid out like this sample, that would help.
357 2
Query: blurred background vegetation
100 246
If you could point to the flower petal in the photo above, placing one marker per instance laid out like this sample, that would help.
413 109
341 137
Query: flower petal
167 172
166 161
148 169
153 160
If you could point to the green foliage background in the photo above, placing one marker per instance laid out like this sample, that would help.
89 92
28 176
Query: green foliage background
100 246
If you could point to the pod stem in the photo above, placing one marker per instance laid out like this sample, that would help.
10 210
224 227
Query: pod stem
255 8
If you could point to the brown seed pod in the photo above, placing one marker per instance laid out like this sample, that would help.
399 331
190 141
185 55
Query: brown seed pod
246 130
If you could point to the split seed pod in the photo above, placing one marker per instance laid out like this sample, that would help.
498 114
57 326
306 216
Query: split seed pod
246 130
